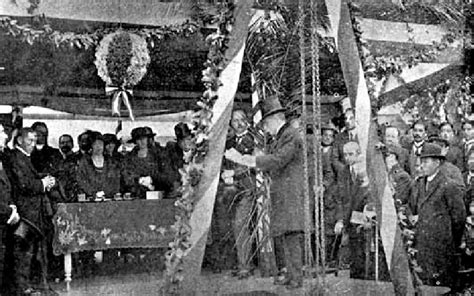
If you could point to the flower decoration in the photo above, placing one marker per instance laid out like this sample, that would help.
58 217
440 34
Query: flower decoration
121 60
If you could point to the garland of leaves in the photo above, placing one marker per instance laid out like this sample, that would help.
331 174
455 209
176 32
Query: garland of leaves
378 68
192 171
44 33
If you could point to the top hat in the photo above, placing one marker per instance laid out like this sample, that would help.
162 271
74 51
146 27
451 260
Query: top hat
182 131
110 138
432 150
329 126
271 105
140 132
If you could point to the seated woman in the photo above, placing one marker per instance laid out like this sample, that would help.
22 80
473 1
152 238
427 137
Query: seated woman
96 173
143 170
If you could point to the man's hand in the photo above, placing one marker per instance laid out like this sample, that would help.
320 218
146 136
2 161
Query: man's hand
48 182
14 217
338 227
233 155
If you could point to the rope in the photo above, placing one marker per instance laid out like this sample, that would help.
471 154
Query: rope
316 102
307 220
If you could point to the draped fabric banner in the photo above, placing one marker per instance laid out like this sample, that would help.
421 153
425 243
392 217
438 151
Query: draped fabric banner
222 110
390 232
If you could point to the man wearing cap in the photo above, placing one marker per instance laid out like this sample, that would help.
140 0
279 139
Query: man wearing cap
439 210
284 161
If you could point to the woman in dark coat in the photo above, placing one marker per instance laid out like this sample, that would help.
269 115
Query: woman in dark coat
143 170
97 173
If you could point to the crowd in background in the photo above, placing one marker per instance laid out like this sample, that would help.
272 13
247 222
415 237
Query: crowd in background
35 177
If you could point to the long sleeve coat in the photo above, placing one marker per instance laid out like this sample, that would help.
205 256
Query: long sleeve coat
28 192
285 162
441 215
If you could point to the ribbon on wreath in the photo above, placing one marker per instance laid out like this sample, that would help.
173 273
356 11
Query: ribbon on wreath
119 95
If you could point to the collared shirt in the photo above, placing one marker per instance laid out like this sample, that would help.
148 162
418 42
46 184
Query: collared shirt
430 178
470 176
23 151
326 149
352 134
417 147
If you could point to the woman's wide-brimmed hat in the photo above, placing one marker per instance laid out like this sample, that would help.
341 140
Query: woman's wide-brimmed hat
140 132
271 105
110 138
432 150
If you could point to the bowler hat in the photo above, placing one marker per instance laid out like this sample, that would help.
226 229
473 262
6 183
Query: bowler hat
432 150
182 131
435 139
271 105
140 132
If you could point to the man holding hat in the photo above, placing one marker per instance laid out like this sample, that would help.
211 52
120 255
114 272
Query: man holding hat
284 162
439 210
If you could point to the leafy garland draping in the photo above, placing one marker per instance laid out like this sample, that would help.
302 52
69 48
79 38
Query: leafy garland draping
30 34
192 171
379 68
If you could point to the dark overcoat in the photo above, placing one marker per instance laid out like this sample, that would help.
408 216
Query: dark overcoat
285 162
28 193
91 180
441 215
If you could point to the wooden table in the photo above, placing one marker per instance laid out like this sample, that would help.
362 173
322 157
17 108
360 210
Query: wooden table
111 225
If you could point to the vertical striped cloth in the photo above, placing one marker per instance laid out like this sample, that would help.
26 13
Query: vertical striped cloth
390 232
206 192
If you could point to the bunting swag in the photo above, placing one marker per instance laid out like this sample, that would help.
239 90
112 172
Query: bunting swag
390 232
200 220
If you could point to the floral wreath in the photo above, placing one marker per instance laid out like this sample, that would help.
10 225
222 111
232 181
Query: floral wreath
121 60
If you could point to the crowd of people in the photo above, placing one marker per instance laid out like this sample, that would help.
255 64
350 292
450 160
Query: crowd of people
430 168
35 177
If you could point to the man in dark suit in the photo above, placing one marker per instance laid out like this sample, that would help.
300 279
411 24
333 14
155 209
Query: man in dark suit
284 161
347 135
240 182
419 138
29 195
391 138
398 177
45 159
439 210
354 197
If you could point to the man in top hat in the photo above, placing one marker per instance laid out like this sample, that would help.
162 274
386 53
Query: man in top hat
176 151
439 210
284 161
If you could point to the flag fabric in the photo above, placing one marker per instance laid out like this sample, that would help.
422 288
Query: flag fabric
390 232
205 194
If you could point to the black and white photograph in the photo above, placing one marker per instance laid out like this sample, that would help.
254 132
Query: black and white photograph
236 147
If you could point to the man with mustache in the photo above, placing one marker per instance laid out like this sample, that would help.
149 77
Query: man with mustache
419 138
